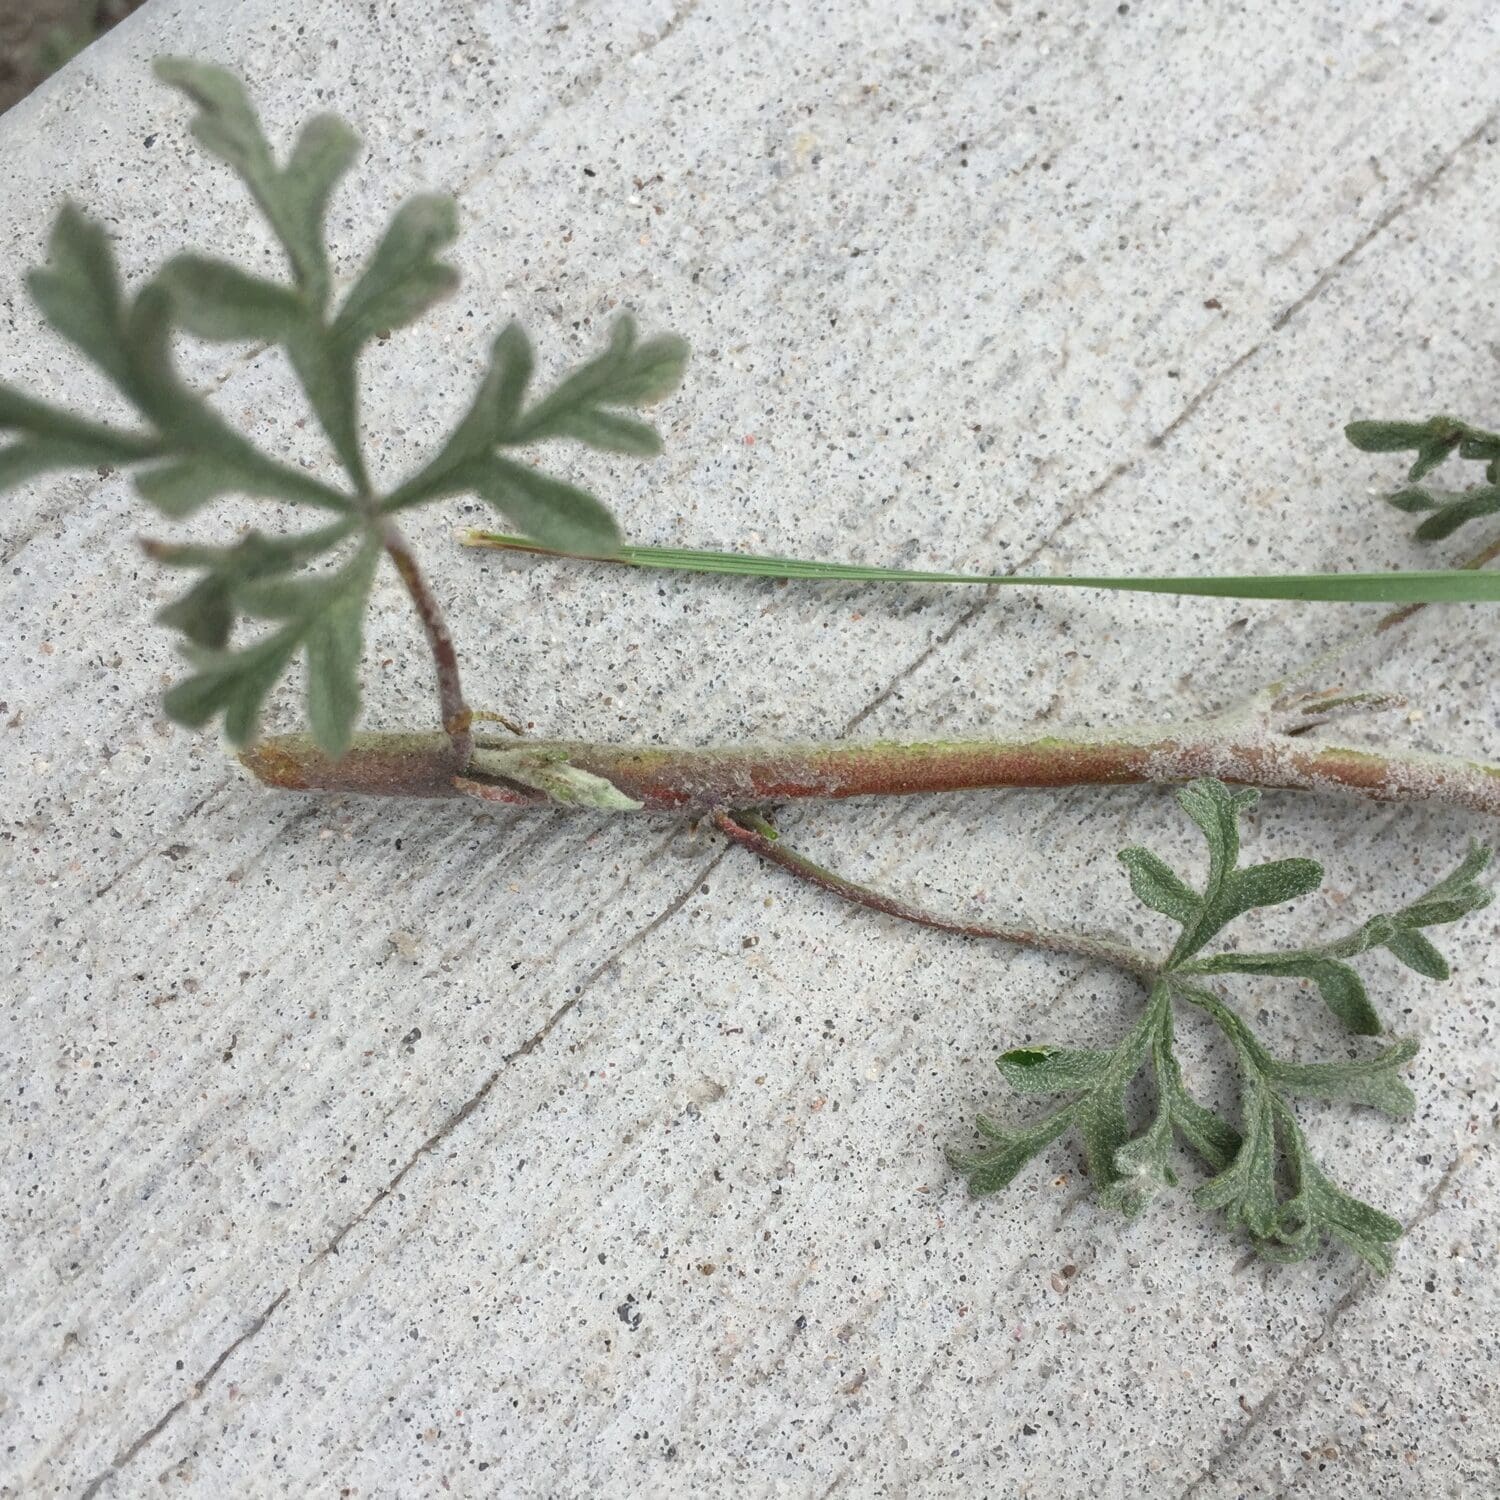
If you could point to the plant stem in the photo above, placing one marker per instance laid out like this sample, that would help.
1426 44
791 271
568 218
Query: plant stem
753 832
667 779
458 718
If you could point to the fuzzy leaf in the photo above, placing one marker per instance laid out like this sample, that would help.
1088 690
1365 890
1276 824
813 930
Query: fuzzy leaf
1156 886
1341 988
334 639
1142 1167
1320 1207
556 514
205 614
1100 1078
78 293
1246 1188
293 199
403 277
1413 950
1443 522
1374 1081
995 1166
629 373
216 300
323 615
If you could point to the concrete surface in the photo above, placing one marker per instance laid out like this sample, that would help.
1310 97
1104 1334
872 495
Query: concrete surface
372 1150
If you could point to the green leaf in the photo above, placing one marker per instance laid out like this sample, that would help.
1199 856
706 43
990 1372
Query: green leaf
1142 1167
1053 1070
323 615
490 421
78 293
1444 521
1389 437
334 639
295 199
995 1166
205 614
557 514
1413 950
216 300
1442 586
1374 1081
1100 1079
549 771
1451 898
1213 1138
233 684
628 373
609 432
403 277
1341 988
1156 886
1246 1189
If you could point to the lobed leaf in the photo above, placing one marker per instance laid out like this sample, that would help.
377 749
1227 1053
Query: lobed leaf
995 1166
556 513
403 277
322 615
295 199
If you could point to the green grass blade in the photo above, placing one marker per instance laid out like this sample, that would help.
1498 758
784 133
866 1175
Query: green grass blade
1449 586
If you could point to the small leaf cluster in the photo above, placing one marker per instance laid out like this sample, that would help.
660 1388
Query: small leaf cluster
1433 442
1263 1175
312 588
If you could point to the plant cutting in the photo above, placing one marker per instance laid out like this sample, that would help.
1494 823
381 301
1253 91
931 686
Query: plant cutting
309 591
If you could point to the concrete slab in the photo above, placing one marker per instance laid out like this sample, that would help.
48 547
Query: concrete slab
407 1150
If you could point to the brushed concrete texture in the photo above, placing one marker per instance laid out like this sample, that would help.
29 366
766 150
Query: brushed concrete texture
390 1150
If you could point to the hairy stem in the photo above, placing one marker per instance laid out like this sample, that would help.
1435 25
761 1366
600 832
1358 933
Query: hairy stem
753 832
664 779
458 718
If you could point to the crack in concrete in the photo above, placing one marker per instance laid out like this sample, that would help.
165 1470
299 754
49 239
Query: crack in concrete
1401 205
470 1106
1261 1411
195 1391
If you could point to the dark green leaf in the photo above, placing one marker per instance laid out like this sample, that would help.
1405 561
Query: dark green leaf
1052 1070
1271 884
1445 521
1388 437
1413 950
1246 1188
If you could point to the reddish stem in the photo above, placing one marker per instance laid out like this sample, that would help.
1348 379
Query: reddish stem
705 781
753 832
458 718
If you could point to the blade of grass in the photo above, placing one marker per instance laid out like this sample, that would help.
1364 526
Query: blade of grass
1447 586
